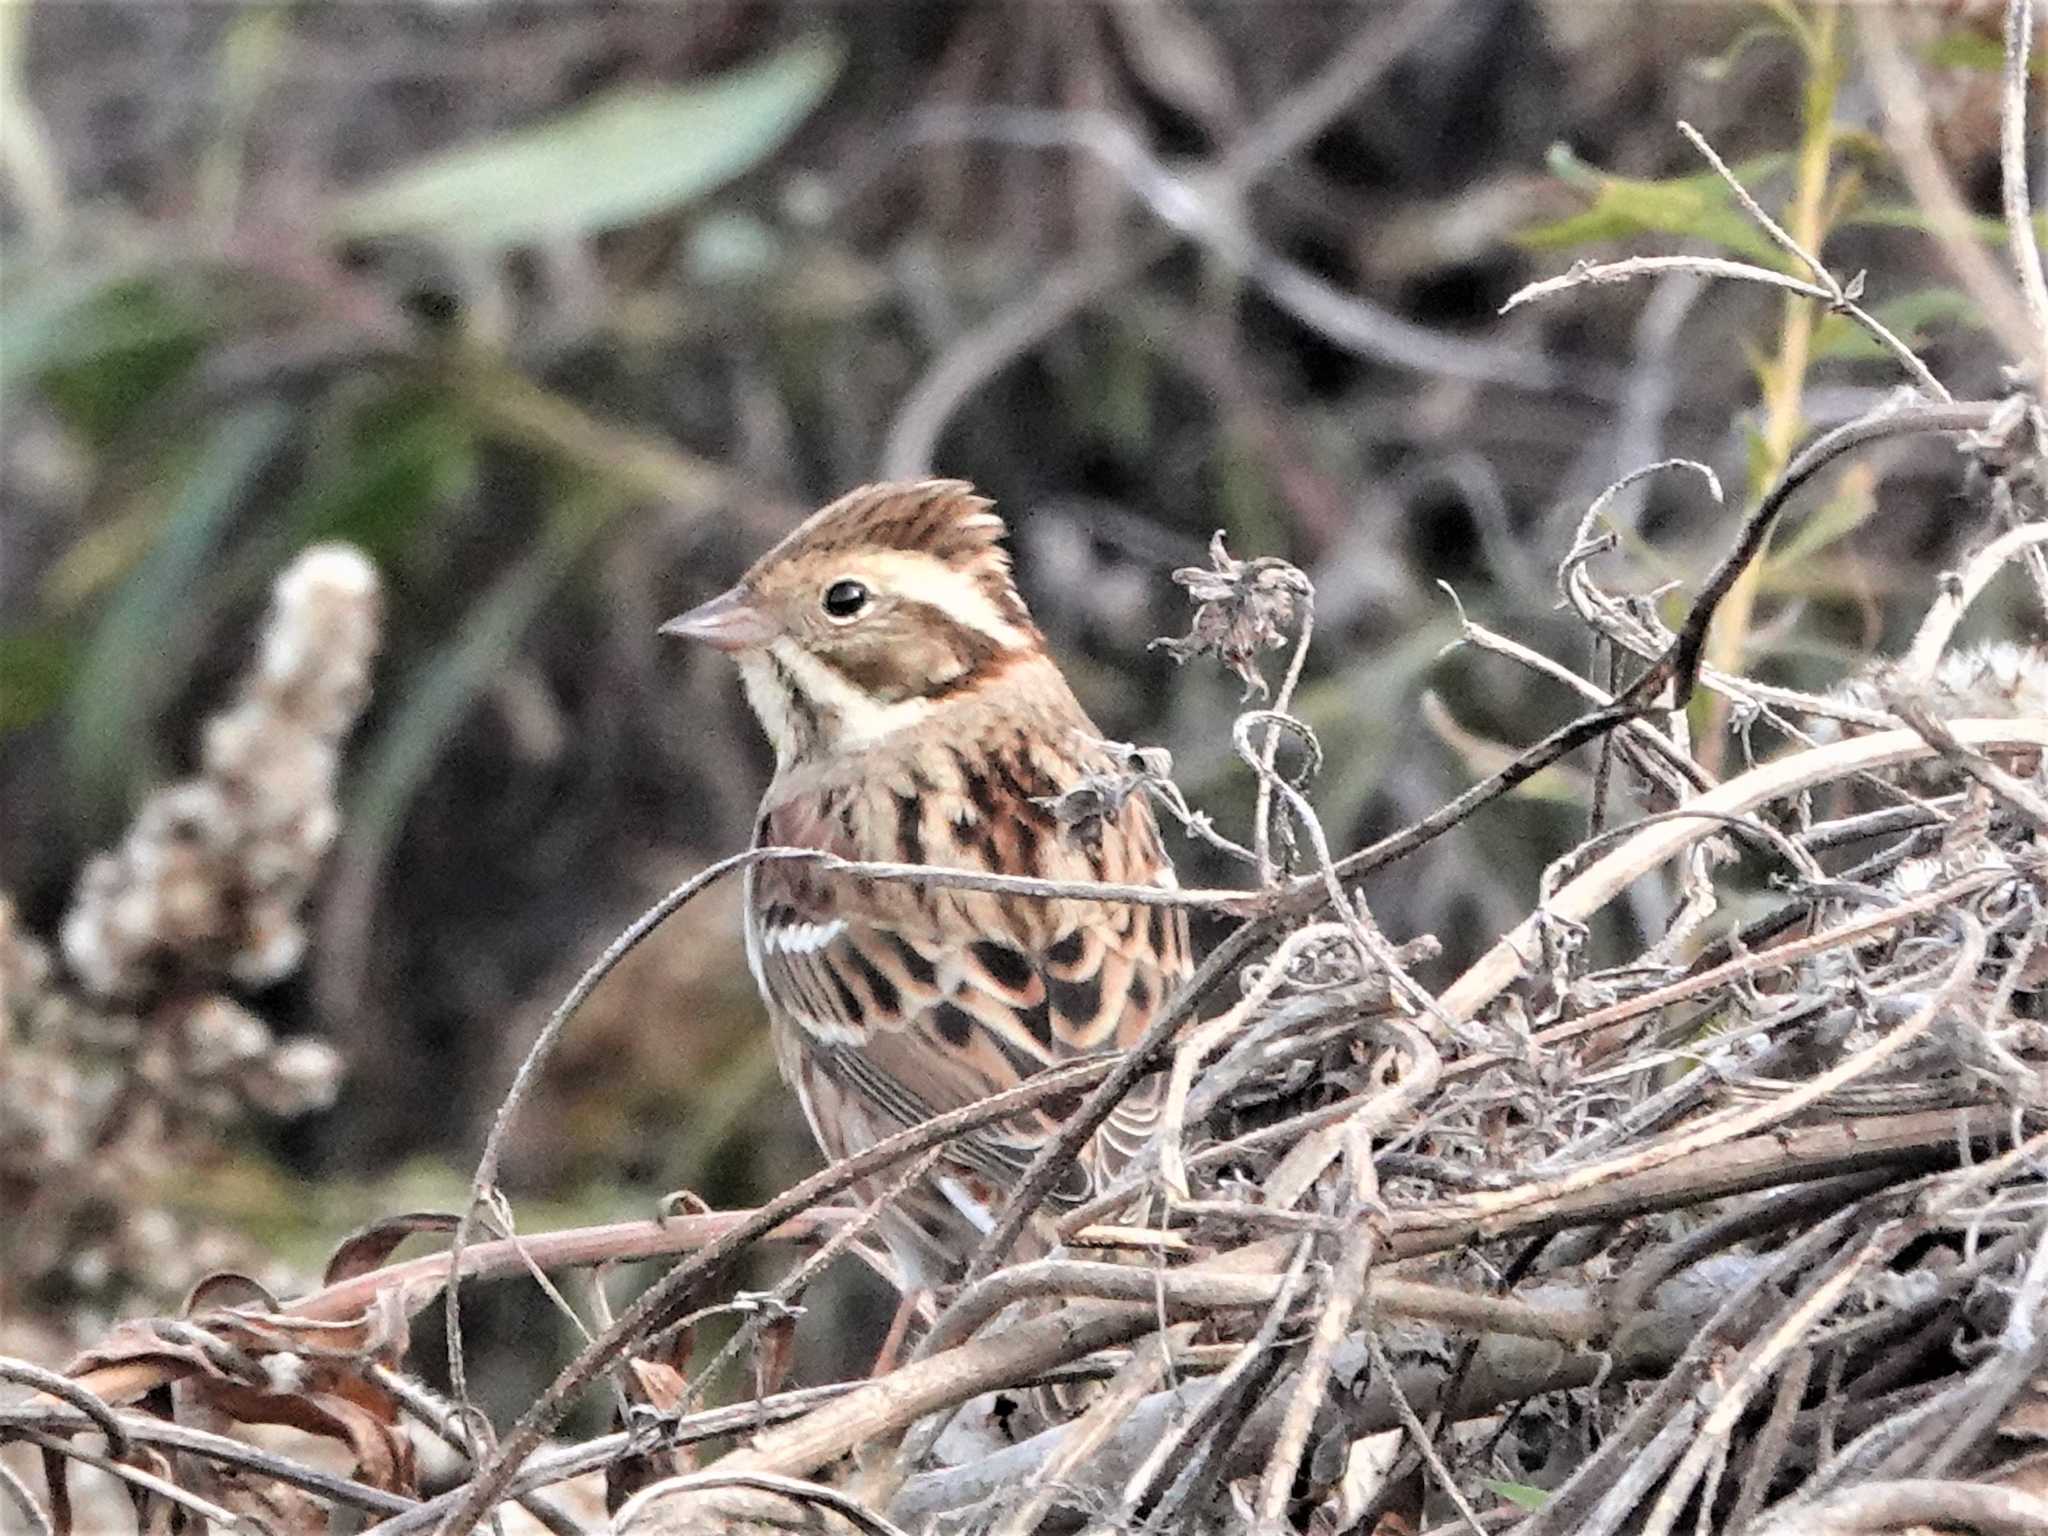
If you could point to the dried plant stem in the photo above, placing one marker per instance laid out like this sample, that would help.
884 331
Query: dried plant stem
1838 296
793 1284
38 1522
1748 965
1262 814
1147 1364
1209 1286
642 1512
1954 598
1908 1503
658 1301
2012 164
1912 141
1614 873
147 1429
2009 787
1342 1297
1717 1129
78 1395
895 1402
1150 1477
147 1482
1210 1036
1784 382
414 1283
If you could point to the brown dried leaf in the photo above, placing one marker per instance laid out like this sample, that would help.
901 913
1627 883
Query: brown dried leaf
341 1410
272 1506
226 1288
662 1387
245 1365
368 1247
684 1202
773 1353
655 1385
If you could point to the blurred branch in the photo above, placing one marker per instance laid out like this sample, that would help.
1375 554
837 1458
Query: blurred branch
1912 141
2013 158
1082 279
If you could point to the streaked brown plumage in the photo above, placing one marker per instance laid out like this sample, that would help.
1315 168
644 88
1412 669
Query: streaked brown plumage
917 718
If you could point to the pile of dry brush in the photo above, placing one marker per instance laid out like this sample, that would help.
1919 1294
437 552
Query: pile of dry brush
1742 1232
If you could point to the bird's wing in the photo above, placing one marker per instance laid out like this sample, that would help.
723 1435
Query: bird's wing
914 1018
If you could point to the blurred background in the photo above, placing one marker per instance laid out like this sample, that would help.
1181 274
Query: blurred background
563 311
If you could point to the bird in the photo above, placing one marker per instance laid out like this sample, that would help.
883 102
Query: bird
918 717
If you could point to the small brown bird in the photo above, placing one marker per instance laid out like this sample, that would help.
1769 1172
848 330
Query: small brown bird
917 718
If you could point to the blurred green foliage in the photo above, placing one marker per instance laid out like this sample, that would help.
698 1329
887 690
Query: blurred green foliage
116 339
628 156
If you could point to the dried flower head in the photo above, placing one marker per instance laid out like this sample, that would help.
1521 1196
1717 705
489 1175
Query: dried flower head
1241 608
1098 798
209 882
1998 679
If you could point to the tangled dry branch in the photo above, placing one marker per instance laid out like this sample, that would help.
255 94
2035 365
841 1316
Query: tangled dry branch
1746 1235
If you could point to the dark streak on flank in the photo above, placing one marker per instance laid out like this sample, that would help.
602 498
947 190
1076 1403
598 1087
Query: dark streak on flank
1027 795
1068 950
887 999
1005 965
848 998
1021 1061
1078 1002
955 1027
979 791
1038 1021
1061 1106
920 969
909 829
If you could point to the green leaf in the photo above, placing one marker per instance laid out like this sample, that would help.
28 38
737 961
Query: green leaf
1519 1494
36 665
1910 317
382 471
1718 68
103 350
623 158
133 659
1988 230
1698 207
1964 49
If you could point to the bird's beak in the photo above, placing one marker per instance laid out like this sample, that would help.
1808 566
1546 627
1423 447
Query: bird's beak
729 621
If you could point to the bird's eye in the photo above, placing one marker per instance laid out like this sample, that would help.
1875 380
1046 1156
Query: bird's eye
843 599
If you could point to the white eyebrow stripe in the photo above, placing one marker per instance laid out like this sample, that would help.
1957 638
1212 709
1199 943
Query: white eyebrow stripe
955 593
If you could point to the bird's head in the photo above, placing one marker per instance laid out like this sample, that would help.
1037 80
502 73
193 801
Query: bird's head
871 615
